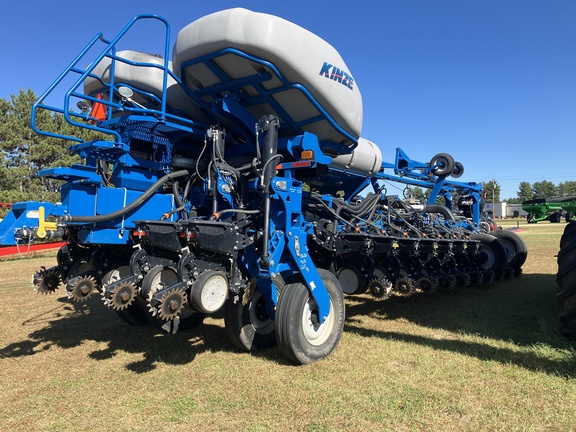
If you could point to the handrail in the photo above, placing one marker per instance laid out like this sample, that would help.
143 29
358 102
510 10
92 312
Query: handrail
110 52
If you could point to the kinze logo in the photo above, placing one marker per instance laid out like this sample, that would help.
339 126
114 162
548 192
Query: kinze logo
332 72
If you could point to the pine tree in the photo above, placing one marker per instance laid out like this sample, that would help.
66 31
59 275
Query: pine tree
24 152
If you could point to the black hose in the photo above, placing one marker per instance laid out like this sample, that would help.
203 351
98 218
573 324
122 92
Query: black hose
176 193
137 202
444 211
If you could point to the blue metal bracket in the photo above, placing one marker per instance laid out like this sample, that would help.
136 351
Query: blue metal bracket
294 232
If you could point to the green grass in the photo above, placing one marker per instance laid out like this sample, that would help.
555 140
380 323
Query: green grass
471 359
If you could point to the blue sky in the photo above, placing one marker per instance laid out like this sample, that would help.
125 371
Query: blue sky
492 82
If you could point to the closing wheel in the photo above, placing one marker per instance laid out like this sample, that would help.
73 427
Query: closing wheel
46 281
132 314
515 247
248 325
491 254
300 335
442 164
158 278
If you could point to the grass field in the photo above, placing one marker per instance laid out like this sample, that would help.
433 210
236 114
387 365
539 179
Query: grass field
476 358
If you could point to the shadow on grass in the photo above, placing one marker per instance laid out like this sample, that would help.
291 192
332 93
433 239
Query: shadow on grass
69 325
522 311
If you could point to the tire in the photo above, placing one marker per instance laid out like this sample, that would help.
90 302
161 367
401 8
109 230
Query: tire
445 162
458 170
516 249
492 254
566 280
300 339
555 217
248 326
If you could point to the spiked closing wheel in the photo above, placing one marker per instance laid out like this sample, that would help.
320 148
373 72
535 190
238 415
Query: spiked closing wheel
427 284
46 281
404 286
171 304
80 288
122 296
380 287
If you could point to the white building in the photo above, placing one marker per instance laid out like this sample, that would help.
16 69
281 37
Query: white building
503 210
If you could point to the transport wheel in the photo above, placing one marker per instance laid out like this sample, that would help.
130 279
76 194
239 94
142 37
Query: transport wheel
248 325
566 280
515 247
443 163
491 254
133 314
156 279
301 337
458 170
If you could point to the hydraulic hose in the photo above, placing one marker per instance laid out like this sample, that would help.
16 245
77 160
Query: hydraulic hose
134 204
444 211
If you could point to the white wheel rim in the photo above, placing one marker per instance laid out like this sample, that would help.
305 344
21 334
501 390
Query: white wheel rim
490 257
317 334
214 292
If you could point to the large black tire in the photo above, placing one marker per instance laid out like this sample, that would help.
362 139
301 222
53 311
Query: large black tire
555 217
492 254
566 280
248 326
300 337
515 246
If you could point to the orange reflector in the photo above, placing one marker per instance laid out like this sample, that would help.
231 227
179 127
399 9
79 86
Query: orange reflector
307 155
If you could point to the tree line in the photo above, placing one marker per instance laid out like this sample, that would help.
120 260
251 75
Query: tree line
529 191
24 153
